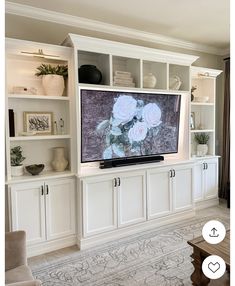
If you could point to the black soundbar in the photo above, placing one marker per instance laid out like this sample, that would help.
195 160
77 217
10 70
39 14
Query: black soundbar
129 161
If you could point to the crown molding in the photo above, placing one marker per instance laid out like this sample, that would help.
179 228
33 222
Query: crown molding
88 24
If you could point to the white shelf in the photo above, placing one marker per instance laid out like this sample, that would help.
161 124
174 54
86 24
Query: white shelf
33 96
203 103
201 130
39 137
42 176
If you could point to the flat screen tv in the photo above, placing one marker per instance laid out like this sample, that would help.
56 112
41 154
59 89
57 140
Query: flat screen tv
117 124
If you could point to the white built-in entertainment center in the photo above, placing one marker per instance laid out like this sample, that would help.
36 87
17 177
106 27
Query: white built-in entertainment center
84 204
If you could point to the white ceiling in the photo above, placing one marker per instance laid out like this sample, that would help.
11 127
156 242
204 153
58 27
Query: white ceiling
205 22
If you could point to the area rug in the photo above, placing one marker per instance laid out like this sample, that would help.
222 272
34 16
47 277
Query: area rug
159 257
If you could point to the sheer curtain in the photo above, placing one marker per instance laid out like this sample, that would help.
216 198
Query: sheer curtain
224 191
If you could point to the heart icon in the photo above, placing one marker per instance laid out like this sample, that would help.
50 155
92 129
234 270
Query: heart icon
214 266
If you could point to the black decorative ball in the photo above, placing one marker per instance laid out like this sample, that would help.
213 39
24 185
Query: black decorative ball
89 74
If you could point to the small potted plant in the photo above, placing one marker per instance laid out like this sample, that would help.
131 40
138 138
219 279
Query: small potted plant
53 78
17 158
202 140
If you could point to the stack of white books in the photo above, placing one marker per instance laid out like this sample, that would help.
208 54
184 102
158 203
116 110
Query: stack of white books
123 78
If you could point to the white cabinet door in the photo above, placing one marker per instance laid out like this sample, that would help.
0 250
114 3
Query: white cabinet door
131 198
211 179
159 201
198 193
60 208
28 210
182 188
99 205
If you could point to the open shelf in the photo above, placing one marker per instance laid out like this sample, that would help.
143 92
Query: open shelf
202 103
38 137
101 61
201 131
37 96
182 72
42 176
159 70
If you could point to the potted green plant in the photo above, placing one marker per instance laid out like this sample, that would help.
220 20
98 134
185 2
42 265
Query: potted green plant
53 78
17 158
202 140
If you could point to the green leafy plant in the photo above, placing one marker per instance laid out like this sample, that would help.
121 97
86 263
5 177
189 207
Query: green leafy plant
45 69
16 156
202 138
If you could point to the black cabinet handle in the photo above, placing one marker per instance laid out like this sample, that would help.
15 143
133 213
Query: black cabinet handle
119 182
173 173
115 182
47 188
206 166
170 173
203 166
42 191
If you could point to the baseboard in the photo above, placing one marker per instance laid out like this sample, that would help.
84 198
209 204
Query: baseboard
206 203
85 243
49 246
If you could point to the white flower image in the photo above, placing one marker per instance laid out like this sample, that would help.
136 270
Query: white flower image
124 109
152 115
138 132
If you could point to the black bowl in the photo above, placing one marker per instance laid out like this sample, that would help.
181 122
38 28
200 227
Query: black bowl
35 169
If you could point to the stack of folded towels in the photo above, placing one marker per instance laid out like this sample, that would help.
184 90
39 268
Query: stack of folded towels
123 78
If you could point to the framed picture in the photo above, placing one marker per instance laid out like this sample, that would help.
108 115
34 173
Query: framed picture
192 120
38 122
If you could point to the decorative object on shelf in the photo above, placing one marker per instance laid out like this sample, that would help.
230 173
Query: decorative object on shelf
192 121
17 158
55 129
39 122
53 78
175 82
24 90
200 126
35 169
149 81
202 140
123 78
201 99
11 122
61 126
89 74
192 90
59 162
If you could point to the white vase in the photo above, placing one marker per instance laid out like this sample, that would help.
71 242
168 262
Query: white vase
17 171
202 149
149 81
53 84
59 162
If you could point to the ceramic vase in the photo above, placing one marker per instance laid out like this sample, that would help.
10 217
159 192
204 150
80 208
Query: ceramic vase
53 84
202 149
149 81
17 171
89 74
59 162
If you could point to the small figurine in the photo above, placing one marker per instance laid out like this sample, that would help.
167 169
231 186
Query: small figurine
61 126
55 128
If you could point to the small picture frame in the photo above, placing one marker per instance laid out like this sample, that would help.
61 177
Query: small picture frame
41 123
192 121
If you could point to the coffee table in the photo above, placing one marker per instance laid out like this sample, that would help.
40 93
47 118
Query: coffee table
202 249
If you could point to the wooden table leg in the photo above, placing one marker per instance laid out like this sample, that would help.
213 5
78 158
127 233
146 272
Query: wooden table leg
198 278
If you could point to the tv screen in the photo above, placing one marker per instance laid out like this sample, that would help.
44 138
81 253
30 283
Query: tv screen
118 124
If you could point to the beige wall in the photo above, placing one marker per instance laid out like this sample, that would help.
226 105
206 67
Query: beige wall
47 32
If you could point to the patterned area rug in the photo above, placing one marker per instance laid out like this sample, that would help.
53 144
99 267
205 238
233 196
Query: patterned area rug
158 257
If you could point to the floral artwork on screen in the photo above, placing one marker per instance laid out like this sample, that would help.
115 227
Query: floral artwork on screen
126 124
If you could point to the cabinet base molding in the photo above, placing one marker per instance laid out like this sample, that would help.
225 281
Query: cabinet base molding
48 246
206 203
85 243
